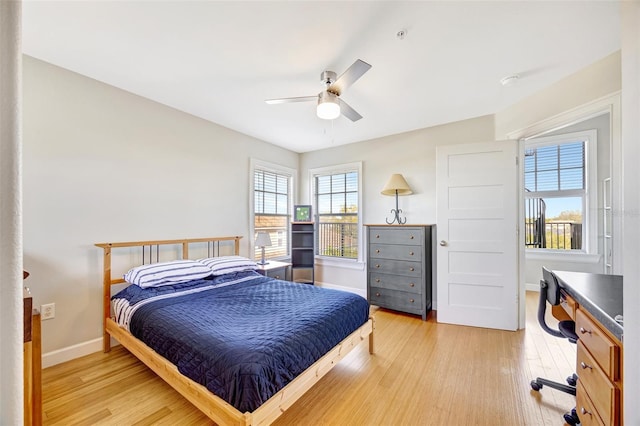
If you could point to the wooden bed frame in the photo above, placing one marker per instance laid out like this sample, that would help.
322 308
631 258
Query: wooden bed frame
211 405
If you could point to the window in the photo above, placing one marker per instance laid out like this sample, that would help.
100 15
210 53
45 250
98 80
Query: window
337 199
558 192
272 189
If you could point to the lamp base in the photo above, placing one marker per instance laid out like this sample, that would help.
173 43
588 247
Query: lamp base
263 262
397 212
397 218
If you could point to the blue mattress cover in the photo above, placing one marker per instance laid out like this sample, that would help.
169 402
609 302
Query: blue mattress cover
243 336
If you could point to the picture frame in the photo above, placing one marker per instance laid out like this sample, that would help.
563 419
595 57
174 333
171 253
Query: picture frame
302 213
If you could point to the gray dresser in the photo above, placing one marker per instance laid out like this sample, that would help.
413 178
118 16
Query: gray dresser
399 267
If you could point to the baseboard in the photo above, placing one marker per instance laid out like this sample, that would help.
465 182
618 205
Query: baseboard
532 287
72 352
360 292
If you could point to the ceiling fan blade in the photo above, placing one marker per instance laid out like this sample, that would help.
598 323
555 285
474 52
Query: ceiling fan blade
290 100
354 72
348 112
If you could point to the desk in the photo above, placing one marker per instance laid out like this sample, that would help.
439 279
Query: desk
32 367
595 301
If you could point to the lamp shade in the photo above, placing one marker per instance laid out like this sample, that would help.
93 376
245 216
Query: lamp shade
263 239
328 106
396 183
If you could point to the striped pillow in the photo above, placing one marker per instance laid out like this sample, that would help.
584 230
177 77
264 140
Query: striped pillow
228 264
166 273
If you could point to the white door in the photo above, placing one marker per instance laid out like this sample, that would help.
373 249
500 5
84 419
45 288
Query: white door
477 248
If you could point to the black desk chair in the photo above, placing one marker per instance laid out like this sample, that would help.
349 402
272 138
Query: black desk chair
550 292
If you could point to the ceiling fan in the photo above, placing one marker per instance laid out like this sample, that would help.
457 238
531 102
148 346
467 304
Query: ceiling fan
330 105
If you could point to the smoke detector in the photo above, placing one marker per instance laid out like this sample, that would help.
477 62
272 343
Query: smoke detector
509 80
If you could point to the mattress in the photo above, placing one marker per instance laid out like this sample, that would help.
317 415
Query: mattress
243 336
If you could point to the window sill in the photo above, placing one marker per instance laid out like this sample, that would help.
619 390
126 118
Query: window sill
580 257
340 263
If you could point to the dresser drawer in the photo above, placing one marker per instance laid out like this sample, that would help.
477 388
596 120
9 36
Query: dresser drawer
601 392
395 282
585 409
397 252
601 347
395 235
396 267
393 299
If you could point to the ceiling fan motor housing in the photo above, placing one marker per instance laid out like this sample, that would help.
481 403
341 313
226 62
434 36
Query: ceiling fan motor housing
328 78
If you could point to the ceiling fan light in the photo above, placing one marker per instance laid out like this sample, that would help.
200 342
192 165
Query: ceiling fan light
328 106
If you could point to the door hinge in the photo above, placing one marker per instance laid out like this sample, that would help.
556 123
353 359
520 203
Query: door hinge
517 161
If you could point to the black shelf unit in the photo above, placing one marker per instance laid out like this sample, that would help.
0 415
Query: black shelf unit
302 251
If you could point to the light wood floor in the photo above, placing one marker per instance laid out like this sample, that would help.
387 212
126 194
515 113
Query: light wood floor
422 373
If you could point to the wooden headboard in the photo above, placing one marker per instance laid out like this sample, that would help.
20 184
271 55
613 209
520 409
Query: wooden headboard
212 248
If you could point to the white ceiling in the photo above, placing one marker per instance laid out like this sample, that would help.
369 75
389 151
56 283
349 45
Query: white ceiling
221 60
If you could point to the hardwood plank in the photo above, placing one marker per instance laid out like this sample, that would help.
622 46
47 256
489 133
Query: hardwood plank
421 373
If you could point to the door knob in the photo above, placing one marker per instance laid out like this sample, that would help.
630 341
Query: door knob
443 243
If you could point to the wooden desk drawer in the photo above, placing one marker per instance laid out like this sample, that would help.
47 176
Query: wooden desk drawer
396 282
393 299
399 267
602 393
586 411
397 252
569 305
395 235
600 346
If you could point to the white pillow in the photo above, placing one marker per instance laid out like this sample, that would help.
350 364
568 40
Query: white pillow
167 273
228 264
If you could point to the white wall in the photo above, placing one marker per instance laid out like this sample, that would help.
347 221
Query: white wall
101 165
11 355
630 12
413 154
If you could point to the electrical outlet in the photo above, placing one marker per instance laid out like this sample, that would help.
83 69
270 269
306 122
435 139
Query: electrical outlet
48 311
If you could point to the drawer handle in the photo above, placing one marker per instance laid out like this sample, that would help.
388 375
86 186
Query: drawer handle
412 285
377 294
377 280
410 253
585 411
377 265
411 300
277 277
585 366
411 269
377 236
584 331
377 251
411 237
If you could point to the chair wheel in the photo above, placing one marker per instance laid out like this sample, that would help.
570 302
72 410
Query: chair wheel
571 418
535 385
572 380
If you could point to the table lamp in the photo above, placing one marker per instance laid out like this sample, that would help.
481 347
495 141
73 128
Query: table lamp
396 185
263 240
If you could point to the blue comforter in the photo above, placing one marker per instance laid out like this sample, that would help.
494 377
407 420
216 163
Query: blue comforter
245 336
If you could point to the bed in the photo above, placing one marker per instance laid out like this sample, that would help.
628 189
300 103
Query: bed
240 346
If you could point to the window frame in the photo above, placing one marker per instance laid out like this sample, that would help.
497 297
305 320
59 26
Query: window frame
590 201
256 165
330 170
